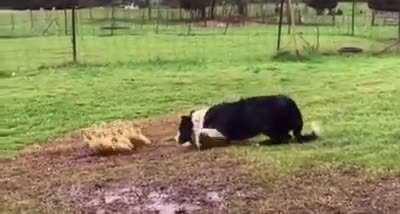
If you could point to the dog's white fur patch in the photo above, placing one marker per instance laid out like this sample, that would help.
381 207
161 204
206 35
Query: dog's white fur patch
187 144
212 133
198 123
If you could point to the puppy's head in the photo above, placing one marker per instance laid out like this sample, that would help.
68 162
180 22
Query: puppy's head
185 131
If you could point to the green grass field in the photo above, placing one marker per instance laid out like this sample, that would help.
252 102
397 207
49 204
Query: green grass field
129 77
143 74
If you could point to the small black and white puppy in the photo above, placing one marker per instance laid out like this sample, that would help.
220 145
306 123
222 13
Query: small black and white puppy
274 116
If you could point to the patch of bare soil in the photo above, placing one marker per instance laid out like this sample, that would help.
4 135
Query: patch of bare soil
66 177
335 191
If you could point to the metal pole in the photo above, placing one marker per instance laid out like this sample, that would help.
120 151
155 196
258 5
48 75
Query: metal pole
12 22
31 16
74 35
66 21
353 18
289 15
399 25
373 17
149 9
112 19
158 17
280 25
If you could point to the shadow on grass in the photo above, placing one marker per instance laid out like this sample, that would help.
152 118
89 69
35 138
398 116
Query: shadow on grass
315 57
18 36
247 143
288 56
5 74
154 62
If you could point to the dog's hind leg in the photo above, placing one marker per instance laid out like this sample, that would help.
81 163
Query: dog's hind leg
281 138
304 138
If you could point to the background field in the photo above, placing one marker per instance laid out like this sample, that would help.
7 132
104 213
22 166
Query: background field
150 71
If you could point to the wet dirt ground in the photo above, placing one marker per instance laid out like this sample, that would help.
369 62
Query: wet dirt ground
66 177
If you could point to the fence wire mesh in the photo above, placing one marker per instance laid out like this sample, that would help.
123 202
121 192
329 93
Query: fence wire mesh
123 34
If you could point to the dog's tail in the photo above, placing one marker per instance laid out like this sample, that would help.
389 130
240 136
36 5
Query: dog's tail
314 135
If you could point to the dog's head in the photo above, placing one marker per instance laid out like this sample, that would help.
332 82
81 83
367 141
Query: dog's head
185 131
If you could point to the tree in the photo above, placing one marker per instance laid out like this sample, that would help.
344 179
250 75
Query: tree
242 7
321 5
197 6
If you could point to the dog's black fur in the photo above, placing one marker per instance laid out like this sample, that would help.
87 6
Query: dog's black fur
186 129
273 116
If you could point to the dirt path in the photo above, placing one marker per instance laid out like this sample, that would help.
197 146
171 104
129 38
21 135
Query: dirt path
65 177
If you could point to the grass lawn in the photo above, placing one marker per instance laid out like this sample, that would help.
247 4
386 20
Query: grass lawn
129 77
147 75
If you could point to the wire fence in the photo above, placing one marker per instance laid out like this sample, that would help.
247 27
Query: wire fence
120 34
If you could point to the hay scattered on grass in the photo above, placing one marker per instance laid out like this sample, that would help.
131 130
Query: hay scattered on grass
115 138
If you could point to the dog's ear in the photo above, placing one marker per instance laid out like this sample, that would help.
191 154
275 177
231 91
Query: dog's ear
191 112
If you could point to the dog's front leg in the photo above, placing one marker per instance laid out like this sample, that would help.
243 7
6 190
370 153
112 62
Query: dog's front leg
196 139
209 133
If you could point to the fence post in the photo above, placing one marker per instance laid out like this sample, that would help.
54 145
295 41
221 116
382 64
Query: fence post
353 17
90 14
148 2
373 17
31 18
112 20
280 25
399 25
289 15
12 22
66 22
143 19
229 20
158 18
74 51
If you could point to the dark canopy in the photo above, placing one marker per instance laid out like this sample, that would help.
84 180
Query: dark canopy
385 5
321 5
49 4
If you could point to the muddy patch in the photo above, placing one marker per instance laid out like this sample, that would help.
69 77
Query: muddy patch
193 182
144 199
160 178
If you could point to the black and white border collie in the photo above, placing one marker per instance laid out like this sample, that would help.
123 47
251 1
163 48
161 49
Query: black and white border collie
273 116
